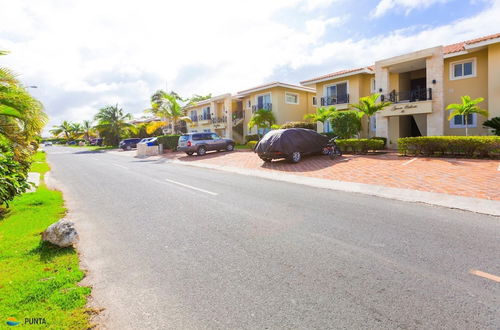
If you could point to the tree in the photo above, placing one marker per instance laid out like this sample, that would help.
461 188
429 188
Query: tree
466 108
262 119
65 129
112 124
493 123
322 115
87 129
76 131
167 107
345 124
368 106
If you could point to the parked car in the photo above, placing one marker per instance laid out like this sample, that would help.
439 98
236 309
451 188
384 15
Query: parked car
72 143
48 144
96 142
151 141
128 144
203 142
292 144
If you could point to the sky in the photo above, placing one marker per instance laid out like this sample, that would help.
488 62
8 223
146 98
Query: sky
83 55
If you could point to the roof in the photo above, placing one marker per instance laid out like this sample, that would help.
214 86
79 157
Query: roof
275 84
349 72
207 101
462 46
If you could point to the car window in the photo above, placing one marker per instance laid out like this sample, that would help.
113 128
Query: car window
214 136
184 138
207 136
197 137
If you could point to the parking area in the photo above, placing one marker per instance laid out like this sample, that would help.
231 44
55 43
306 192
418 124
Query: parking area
463 177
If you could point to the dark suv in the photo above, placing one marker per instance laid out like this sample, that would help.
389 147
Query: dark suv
128 144
203 142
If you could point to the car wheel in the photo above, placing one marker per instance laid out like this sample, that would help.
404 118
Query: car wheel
129 147
189 153
295 157
230 147
201 151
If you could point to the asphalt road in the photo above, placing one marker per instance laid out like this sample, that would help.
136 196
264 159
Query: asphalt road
176 247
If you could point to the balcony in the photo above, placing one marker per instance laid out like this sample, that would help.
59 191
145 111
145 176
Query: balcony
264 106
219 120
205 116
415 95
333 100
238 117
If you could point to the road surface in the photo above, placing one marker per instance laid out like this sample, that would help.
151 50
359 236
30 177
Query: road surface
177 247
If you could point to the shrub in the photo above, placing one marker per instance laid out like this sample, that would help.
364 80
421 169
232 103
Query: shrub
361 146
13 175
494 124
299 124
252 137
455 146
380 138
169 141
345 124
252 144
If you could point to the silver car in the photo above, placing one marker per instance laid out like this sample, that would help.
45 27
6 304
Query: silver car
203 142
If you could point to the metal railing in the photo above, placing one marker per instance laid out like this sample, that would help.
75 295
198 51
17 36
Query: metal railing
219 120
414 95
332 100
263 106
204 116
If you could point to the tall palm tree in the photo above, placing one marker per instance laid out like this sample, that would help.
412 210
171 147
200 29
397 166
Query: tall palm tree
494 124
166 106
262 119
76 131
466 108
322 115
368 106
112 123
65 129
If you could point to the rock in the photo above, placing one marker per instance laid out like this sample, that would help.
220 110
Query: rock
62 233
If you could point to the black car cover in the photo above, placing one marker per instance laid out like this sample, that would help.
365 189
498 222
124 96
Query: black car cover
290 140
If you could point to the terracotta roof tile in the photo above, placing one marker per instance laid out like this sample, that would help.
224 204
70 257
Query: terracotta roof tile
460 46
339 73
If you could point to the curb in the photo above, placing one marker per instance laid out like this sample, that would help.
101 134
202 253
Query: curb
477 205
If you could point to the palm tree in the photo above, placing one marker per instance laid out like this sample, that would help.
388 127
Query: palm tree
87 129
65 129
262 119
166 106
76 131
466 108
493 123
112 123
322 115
368 106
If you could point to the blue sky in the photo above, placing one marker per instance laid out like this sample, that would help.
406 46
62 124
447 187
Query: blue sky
85 54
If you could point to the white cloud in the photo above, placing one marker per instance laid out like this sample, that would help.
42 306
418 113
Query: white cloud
85 54
408 5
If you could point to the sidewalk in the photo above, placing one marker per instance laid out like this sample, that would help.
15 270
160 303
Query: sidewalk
467 184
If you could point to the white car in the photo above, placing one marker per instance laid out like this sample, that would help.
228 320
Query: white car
48 144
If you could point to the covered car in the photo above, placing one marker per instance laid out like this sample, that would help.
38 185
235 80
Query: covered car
292 144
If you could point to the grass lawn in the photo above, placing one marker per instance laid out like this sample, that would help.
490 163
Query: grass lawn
39 280
242 146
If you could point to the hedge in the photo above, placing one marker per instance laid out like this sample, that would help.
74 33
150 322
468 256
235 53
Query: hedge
169 141
380 138
299 124
251 137
455 146
361 146
252 144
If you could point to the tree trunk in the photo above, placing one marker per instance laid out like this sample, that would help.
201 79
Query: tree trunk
368 130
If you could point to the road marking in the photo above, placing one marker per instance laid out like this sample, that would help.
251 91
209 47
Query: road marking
410 161
191 187
121 166
485 275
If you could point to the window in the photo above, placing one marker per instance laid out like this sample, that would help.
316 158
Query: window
327 128
206 113
249 104
373 123
291 98
264 101
463 69
459 121
336 94
373 85
314 100
194 115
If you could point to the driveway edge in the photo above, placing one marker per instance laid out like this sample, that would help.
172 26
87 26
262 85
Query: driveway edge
477 205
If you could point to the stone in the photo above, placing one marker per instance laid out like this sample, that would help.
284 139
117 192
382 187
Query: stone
62 233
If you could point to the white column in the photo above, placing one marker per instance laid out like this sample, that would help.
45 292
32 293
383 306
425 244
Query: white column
382 82
435 72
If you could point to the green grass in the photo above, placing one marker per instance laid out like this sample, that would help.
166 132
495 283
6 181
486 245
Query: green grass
242 146
39 279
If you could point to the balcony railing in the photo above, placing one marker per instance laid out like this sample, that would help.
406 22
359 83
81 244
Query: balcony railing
264 106
414 95
332 100
237 116
204 116
219 120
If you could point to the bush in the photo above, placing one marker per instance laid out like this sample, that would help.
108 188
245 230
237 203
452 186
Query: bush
345 124
380 138
252 137
169 141
455 146
299 124
361 146
252 144
494 124
13 175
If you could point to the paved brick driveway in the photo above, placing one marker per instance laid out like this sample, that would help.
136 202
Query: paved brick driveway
464 177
